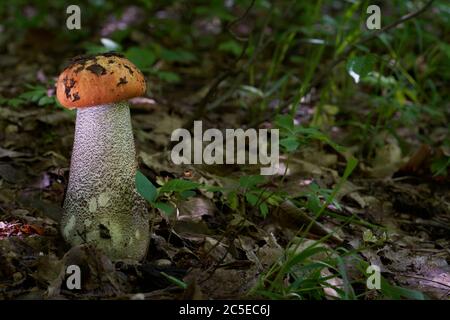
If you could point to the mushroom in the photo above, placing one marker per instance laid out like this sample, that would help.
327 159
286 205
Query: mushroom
102 205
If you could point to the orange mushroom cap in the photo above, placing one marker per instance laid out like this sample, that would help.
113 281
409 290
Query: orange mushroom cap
101 79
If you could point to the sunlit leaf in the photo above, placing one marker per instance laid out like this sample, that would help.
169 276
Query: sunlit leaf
290 143
252 199
177 55
110 44
178 185
187 194
264 209
284 122
233 200
175 281
254 91
168 76
145 188
231 46
143 58
250 181
168 209
359 66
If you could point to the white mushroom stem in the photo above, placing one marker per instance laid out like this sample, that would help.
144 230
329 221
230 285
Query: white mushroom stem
101 205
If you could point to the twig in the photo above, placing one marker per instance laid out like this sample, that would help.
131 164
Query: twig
231 237
424 279
316 227
232 23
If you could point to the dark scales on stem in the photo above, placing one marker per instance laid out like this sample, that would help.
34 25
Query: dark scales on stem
104 232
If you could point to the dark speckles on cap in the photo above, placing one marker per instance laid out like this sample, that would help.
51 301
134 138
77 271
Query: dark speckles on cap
96 69
68 85
111 54
79 69
75 97
129 69
83 59
67 92
122 81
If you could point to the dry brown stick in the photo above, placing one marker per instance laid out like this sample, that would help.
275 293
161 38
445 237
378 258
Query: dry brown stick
289 209
232 23
424 279
217 264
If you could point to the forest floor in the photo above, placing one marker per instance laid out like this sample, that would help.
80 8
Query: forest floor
391 211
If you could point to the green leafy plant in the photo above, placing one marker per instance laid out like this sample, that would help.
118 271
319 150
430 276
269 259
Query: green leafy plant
143 58
255 196
315 195
156 196
107 45
248 190
295 136
231 46
312 270
440 166
36 94
304 273
359 66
